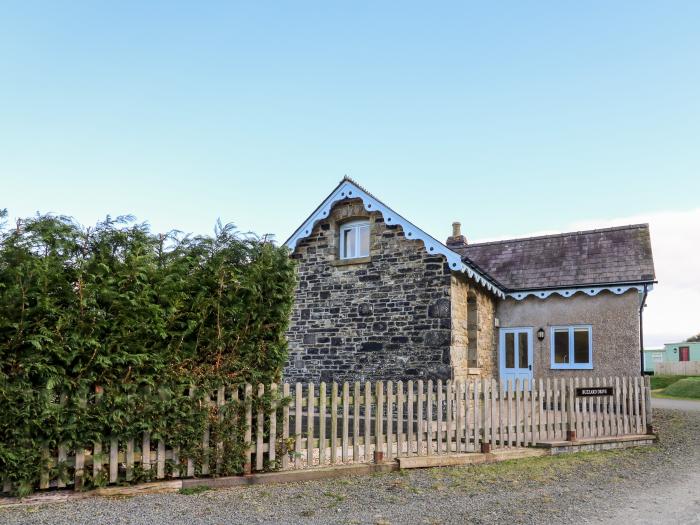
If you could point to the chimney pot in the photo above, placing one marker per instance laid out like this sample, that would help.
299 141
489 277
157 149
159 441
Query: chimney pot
456 229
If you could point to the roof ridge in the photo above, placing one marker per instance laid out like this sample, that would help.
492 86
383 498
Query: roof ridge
564 234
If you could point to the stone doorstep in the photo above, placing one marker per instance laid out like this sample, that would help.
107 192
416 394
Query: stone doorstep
597 441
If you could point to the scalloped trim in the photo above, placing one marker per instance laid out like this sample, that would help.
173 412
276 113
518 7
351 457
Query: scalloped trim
568 292
349 190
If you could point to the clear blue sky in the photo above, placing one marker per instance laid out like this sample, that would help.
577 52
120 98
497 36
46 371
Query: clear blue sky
513 118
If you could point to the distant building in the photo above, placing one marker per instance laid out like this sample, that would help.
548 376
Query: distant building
679 352
651 357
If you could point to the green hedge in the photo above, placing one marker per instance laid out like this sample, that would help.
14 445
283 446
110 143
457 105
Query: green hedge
141 317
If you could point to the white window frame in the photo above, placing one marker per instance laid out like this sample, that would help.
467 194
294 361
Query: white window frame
353 225
571 365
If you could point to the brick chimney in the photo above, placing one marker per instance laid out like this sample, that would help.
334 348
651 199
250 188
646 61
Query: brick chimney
456 240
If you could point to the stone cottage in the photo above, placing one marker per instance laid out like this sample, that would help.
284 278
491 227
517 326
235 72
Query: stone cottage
379 298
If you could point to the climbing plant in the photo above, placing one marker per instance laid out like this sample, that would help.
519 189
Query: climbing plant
112 331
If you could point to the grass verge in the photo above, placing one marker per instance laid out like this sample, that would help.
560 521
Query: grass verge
687 387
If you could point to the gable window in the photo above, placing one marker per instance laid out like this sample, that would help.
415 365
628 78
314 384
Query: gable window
354 239
572 347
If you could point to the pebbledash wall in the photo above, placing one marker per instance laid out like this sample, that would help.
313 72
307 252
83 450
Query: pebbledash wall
387 316
614 321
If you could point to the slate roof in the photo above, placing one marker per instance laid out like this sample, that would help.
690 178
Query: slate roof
585 258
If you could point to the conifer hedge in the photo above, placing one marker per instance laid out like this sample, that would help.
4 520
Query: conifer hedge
103 331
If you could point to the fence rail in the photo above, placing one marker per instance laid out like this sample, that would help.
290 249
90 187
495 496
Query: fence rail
328 424
679 368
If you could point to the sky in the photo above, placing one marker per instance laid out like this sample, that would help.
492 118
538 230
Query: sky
513 118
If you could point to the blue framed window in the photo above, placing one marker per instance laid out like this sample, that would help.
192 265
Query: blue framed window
571 347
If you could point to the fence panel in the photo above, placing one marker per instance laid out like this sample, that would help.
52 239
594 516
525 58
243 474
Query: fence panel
399 419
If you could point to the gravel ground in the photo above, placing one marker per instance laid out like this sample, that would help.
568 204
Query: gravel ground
625 486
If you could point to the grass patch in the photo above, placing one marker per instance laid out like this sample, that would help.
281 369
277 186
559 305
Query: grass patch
688 387
660 382
191 491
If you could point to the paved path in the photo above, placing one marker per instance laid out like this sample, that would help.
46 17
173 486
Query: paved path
668 503
675 404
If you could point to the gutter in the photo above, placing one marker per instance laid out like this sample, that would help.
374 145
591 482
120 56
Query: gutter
641 327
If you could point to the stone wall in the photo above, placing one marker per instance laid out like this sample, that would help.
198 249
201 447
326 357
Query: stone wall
387 316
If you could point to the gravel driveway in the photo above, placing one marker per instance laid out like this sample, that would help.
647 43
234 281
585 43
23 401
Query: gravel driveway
645 485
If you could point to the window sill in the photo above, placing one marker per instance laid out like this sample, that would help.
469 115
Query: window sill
572 367
350 262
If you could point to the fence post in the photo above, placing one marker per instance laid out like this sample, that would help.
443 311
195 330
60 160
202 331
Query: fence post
322 423
271 452
346 420
399 418
248 400
334 421
310 425
389 419
378 445
298 415
440 401
648 423
285 425
570 422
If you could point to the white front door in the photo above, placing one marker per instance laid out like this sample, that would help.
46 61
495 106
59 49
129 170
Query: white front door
515 355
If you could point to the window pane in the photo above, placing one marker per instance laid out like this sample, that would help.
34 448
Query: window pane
349 243
523 350
561 346
581 345
510 350
364 241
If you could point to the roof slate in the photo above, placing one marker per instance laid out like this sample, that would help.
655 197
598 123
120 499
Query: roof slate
604 256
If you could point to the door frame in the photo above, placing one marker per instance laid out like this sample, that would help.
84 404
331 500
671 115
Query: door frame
501 351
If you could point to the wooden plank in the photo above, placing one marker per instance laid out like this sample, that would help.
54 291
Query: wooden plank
501 429
80 469
518 396
356 424
541 399
623 404
205 438
44 471
429 418
220 400
62 459
399 418
368 421
468 418
322 424
146 452
493 389
130 459
248 400
533 412
609 409
334 422
271 452
457 388
449 415
647 410
346 421
113 459
310 425
389 420
379 417
160 459
285 425
440 402
410 421
526 405
637 413
190 461
509 412
477 415
260 431
562 407
298 414
484 411
419 417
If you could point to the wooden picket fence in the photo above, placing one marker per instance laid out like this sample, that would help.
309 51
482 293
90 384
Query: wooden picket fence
334 424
